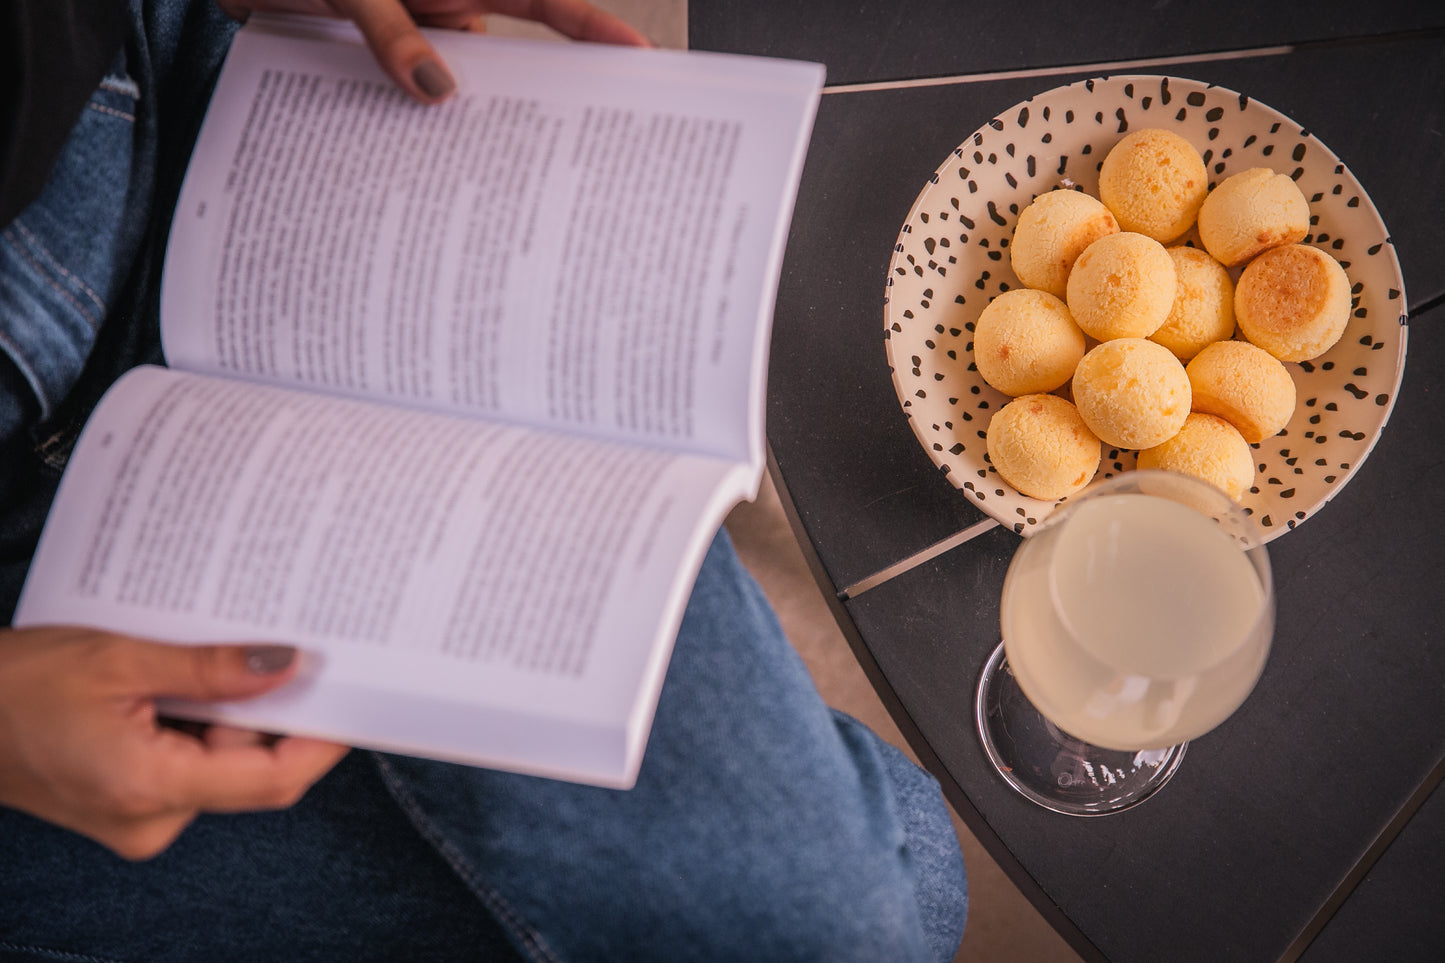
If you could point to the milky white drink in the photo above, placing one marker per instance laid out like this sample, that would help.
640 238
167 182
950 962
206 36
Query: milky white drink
1135 623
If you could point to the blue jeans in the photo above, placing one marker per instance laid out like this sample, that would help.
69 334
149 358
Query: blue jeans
763 826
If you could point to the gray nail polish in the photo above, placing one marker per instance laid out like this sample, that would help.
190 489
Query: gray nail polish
433 79
269 659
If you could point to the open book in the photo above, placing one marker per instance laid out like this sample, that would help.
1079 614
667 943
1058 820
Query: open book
458 396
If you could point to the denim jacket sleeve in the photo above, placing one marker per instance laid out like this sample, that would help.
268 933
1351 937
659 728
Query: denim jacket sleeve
64 258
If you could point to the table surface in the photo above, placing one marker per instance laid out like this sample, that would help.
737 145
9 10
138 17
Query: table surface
1305 826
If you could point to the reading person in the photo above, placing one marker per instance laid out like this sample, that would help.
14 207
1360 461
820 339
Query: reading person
763 825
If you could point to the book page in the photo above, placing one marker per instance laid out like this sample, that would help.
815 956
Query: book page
487 571
585 236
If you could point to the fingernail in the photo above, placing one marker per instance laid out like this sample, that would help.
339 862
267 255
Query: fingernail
269 659
433 79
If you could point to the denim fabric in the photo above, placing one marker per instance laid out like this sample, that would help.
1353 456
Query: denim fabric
340 877
763 826
57 282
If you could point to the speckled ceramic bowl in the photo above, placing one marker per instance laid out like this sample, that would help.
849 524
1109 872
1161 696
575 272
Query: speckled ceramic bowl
952 258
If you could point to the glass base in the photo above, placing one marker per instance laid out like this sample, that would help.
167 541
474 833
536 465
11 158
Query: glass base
1051 767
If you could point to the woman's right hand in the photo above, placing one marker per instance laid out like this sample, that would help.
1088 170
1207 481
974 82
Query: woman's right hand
390 29
81 744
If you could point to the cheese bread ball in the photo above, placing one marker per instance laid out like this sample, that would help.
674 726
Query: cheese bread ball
1208 448
1250 212
1051 234
1154 182
1040 446
1245 385
1293 301
1132 393
1122 286
1203 310
1026 342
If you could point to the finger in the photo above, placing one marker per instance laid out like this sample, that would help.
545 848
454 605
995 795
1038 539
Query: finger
204 672
295 765
400 48
191 727
229 737
467 22
240 778
576 19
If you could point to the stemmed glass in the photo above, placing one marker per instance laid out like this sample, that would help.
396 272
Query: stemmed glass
1137 617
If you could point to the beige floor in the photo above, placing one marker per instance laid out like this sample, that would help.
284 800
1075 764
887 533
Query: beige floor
1002 926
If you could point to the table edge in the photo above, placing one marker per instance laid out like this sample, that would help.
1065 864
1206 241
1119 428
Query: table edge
1352 879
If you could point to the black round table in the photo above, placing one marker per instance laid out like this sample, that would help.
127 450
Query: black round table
1307 826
